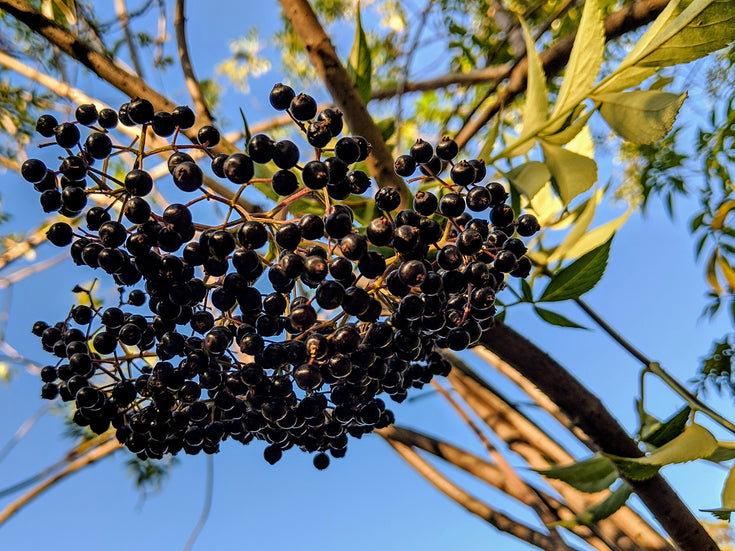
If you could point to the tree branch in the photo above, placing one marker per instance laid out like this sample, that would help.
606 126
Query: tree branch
344 92
192 84
586 411
488 473
88 458
122 15
473 505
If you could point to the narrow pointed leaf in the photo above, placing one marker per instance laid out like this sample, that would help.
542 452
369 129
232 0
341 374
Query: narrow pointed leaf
573 173
600 511
661 433
641 116
591 475
596 237
359 64
579 277
703 27
581 223
555 318
535 108
728 492
571 127
245 126
585 58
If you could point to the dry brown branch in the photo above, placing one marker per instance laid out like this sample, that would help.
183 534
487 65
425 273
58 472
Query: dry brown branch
489 473
95 454
77 96
475 506
343 91
625 528
192 84
534 393
585 410
122 14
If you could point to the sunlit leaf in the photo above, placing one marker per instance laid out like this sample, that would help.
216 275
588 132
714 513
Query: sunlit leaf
661 433
529 177
585 59
641 116
581 223
359 64
573 173
536 106
596 237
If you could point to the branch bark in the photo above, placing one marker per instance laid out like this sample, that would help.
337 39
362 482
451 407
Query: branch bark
474 505
192 84
344 92
95 454
586 411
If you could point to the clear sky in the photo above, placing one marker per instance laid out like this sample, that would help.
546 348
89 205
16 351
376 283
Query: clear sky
653 292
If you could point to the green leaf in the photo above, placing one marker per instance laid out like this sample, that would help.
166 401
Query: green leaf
579 277
722 514
585 59
695 442
641 116
728 491
590 475
387 127
246 128
529 177
492 136
594 238
581 223
703 27
556 319
725 452
572 126
359 64
661 433
526 290
536 106
600 511
573 173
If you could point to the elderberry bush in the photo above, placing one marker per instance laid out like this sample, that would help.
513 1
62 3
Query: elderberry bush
276 326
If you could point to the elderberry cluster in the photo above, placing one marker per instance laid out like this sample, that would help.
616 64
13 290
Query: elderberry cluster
206 348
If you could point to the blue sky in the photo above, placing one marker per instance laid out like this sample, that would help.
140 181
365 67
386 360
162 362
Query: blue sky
652 292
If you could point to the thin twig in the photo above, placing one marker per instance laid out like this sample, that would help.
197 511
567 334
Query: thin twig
206 507
23 430
122 14
93 455
192 84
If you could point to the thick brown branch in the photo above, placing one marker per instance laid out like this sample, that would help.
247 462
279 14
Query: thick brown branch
586 411
344 92
192 84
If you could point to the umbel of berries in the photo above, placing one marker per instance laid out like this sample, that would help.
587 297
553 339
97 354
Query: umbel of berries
293 327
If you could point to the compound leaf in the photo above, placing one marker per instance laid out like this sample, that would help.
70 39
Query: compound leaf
579 277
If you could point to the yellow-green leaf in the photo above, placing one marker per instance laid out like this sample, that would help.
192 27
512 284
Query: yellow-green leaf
529 177
574 124
728 492
712 274
536 106
725 452
573 173
641 116
585 59
727 271
718 220
703 27
596 237
359 64
581 224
